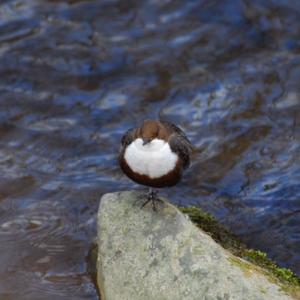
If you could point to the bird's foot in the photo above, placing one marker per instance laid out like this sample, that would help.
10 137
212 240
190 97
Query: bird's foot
152 197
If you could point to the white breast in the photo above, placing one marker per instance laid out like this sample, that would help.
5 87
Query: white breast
154 159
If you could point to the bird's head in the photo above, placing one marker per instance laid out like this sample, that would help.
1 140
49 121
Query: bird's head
149 131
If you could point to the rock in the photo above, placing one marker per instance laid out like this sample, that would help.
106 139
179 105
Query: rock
160 255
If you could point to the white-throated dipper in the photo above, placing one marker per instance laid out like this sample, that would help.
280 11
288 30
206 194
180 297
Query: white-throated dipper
155 155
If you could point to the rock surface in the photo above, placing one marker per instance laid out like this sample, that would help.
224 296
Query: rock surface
160 255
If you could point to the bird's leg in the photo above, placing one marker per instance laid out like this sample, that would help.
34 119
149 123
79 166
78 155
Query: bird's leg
152 196
149 197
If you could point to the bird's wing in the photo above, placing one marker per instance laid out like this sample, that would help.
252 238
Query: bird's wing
128 137
179 143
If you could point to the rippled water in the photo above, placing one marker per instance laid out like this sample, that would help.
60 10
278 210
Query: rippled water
74 75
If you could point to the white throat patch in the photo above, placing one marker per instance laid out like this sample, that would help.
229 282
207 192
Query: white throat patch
154 159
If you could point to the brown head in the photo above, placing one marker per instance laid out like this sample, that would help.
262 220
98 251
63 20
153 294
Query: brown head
150 130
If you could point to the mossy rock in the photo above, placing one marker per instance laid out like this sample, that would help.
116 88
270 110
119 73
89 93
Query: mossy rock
288 280
159 254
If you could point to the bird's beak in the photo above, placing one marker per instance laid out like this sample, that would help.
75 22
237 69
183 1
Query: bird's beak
146 141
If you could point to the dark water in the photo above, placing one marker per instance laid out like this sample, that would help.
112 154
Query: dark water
75 74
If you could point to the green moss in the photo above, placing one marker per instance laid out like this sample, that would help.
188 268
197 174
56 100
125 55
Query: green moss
246 267
209 224
261 259
229 241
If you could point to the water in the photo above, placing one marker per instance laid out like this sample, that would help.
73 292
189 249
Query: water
74 75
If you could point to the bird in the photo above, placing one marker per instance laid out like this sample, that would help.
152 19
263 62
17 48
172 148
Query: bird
155 155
